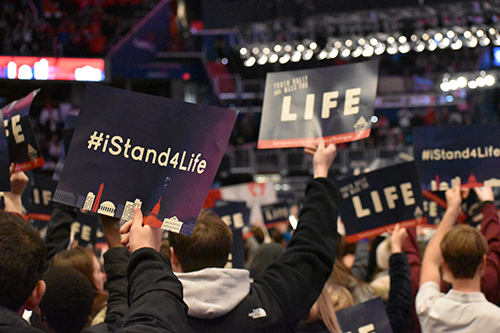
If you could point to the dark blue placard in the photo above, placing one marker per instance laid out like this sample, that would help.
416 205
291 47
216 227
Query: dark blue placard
37 195
372 202
365 317
335 103
236 214
443 153
275 213
131 149
237 254
23 148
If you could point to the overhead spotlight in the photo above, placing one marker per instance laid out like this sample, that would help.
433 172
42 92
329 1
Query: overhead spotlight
445 86
322 55
496 41
420 46
414 38
391 40
404 48
345 52
373 41
273 58
457 45
296 56
471 42
357 52
444 43
392 49
425 36
288 48
243 51
472 84
374 119
368 51
262 59
438 37
462 82
255 50
453 84
481 82
285 58
313 46
277 48
333 53
480 33
380 48
249 62
348 43
402 39
450 34
308 54
489 80
300 47
467 34
484 41
266 50
431 45
361 41
492 31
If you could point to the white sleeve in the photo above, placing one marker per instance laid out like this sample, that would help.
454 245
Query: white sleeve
426 295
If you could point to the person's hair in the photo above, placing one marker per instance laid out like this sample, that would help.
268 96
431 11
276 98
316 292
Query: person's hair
82 260
66 305
22 260
209 245
323 309
258 234
463 248
342 275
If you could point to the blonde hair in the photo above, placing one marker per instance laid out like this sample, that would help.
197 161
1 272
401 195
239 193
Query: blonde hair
323 309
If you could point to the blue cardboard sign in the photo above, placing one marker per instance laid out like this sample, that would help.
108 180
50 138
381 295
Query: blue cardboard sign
335 103
367 317
23 148
131 149
372 202
469 154
275 213
235 214
237 254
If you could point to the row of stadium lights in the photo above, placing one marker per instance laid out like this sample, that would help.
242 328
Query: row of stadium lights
461 82
430 40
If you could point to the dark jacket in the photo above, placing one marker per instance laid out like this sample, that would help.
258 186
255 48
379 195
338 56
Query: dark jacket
11 322
154 297
285 292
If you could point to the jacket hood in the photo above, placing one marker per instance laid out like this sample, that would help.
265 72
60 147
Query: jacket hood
213 292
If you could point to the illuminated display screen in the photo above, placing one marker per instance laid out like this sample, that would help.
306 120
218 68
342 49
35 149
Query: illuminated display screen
49 68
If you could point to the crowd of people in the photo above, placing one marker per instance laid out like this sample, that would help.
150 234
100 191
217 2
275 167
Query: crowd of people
296 283
66 28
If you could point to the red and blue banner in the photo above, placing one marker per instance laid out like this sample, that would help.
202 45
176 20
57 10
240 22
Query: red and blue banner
335 103
135 150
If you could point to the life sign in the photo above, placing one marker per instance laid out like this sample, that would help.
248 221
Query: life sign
335 103
373 202
23 148
367 317
275 213
235 214
466 154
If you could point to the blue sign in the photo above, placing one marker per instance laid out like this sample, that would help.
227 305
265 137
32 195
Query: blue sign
131 149
275 213
367 317
335 103
235 214
371 202
23 148
469 154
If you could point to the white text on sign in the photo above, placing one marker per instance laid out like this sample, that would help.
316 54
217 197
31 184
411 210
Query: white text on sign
16 128
329 102
391 196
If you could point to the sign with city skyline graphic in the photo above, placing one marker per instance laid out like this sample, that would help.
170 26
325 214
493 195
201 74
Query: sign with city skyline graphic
469 154
335 103
131 149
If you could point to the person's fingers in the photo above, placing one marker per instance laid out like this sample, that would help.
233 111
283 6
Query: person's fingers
126 227
124 240
321 143
309 151
396 228
12 167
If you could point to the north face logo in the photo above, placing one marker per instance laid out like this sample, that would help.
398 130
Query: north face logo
257 313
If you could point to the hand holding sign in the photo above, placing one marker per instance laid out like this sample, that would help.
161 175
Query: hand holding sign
454 197
398 236
12 199
323 157
484 193
138 235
